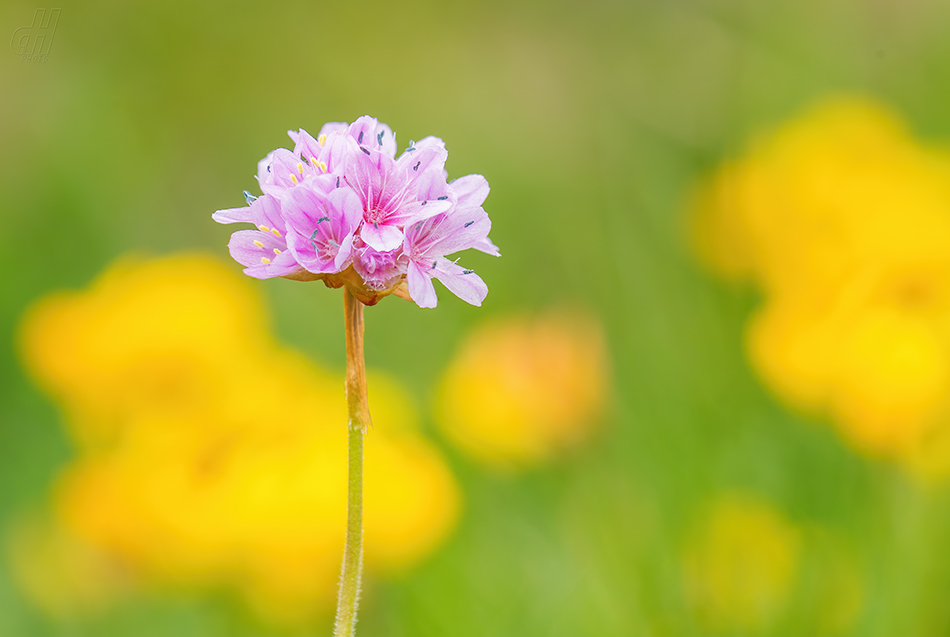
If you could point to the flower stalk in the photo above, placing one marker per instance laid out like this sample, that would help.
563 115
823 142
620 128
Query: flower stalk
358 422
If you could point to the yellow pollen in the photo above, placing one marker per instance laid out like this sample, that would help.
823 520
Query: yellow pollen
322 139
265 260
293 178
300 167
276 233
276 251
322 165
259 244
264 228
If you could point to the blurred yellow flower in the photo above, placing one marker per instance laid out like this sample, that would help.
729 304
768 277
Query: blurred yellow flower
842 219
746 564
209 457
523 389
740 568
149 337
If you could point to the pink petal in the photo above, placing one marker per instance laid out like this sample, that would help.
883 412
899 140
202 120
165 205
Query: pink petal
431 185
305 144
303 207
282 172
343 257
234 215
247 253
346 203
333 127
472 190
463 283
419 211
420 286
460 231
422 159
265 210
366 172
381 238
426 142
485 245
373 135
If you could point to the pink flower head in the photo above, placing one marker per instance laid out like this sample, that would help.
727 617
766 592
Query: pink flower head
343 208
321 224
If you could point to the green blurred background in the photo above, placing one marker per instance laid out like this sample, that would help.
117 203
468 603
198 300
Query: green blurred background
592 122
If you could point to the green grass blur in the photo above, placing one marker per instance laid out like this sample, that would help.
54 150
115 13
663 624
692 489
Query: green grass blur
591 122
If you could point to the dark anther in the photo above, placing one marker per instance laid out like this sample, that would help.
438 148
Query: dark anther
469 223
416 167
360 140
468 271
249 198
424 202
337 182
443 197
364 150
379 138
322 219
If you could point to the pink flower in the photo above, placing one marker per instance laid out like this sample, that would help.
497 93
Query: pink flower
380 269
263 251
389 188
343 208
427 242
321 222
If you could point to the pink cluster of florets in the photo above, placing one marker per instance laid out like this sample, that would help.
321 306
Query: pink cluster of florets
343 208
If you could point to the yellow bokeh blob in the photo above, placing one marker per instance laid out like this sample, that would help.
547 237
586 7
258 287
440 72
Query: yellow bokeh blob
211 458
842 219
740 567
521 390
747 567
149 334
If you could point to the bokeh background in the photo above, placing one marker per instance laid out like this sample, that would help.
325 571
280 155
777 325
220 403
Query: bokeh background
706 395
